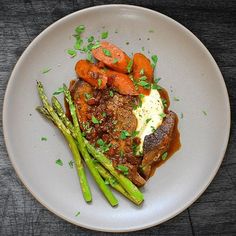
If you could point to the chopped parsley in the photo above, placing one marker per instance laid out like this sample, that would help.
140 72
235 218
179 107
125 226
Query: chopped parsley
71 164
89 56
121 153
95 120
151 31
58 91
96 45
115 60
176 99
144 84
205 113
143 49
44 139
103 146
104 114
59 162
154 60
164 156
77 214
135 133
99 83
111 93
90 39
72 52
123 169
148 120
106 52
155 85
80 29
124 134
141 72
86 127
46 70
127 43
153 129
104 35
162 115
129 66
78 43
164 102
87 96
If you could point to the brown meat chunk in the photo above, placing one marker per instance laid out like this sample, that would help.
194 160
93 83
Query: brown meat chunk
157 143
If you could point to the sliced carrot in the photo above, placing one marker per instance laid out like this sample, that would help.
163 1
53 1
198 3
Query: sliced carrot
91 74
121 82
113 57
142 67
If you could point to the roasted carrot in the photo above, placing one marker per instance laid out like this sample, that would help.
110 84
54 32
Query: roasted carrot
113 57
121 82
142 68
91 74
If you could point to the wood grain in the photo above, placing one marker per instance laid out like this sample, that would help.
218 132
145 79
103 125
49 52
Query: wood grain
214 23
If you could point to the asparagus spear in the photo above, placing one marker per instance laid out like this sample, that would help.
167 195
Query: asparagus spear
48 111
114 183
130 188
138 196
82 147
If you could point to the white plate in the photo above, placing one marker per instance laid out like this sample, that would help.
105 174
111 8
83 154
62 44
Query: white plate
188 72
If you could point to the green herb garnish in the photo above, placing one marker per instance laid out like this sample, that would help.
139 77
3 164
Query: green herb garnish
162 115
115 60
124 134
127 43
176 99
77 214
99 83
78 43
103 146
154 60
72 52
141 72
58 91
44 139
90 39
95 120
87 96
59 162
71 164
144 84
123 169
46 70
151 31
164 156
153 129
205 113
181 115
89 56
111 93
143 49
148 120
164 102
80 29
106 52
104 114
104 35
135 133
96 45
121 153
129 66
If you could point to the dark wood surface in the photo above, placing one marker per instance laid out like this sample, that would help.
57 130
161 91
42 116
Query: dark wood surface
214 23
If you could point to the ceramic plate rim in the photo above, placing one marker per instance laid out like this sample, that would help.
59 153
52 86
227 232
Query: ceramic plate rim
204 185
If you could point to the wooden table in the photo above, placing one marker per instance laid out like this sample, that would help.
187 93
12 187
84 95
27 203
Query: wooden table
214 23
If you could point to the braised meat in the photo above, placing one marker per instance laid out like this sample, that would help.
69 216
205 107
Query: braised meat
107 121
157 143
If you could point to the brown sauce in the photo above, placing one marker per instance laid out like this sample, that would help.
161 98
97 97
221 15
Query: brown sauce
175 144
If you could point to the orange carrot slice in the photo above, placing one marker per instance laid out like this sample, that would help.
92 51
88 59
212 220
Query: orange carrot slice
142 69
91 74
113 57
